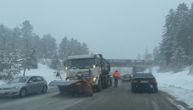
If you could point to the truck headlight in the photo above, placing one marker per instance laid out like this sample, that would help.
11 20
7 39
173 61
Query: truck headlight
94 79
94 66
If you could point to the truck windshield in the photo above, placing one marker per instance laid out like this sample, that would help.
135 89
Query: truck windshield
81 63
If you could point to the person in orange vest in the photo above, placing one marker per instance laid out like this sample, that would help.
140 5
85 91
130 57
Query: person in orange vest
116 76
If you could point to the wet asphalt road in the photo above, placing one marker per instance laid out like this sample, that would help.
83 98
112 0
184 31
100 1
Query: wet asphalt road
109 99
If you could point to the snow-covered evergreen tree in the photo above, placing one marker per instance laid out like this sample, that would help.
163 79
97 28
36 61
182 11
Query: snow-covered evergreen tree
72 47
176 45
48 46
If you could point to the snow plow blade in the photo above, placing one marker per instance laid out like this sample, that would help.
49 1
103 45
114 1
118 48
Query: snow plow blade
73 87
62 82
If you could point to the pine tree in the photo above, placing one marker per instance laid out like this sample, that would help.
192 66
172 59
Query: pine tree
72 47
48 46
64 48
182 38
167 46
176 45
27 32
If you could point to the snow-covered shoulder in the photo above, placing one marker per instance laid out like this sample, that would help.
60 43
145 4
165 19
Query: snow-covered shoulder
180 85
45 71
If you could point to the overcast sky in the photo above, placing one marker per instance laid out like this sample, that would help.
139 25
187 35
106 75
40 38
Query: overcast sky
115 28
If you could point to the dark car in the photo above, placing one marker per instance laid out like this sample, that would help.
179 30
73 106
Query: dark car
24 85
144 82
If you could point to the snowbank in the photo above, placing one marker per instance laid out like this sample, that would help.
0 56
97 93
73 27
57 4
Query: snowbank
179 85
43 70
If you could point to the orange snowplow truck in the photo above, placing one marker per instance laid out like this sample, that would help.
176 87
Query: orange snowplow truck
85 74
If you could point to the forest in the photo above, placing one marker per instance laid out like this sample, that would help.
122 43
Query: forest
175 51
21 48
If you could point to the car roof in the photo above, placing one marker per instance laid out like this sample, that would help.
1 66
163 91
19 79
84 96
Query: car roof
143 75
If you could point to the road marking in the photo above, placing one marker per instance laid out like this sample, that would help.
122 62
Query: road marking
155 105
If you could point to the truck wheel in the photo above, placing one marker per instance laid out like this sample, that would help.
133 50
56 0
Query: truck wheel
44 89
99 86
105 84
110 83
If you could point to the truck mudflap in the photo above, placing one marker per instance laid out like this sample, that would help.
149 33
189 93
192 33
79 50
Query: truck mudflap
73 86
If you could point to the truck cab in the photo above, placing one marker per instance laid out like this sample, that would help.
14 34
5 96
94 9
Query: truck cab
93 68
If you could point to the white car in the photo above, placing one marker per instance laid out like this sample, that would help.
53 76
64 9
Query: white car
22 86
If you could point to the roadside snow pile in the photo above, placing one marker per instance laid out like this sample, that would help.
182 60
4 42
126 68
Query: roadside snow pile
179 85
43 70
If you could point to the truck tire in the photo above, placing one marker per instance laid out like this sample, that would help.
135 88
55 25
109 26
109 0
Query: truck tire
110 83
99 86
105 84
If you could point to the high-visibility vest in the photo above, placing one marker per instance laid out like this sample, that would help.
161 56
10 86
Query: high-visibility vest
116 75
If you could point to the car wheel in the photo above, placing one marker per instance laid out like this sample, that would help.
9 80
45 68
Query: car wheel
23 92
44 89
155 90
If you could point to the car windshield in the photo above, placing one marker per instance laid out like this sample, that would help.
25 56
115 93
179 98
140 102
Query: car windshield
18 80
81 63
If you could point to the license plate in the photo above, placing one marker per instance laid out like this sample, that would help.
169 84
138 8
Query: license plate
143 81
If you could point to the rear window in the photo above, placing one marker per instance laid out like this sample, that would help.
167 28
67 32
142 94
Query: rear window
143 78
39 79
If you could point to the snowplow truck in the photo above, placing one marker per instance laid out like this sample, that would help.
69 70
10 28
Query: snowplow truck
85 75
